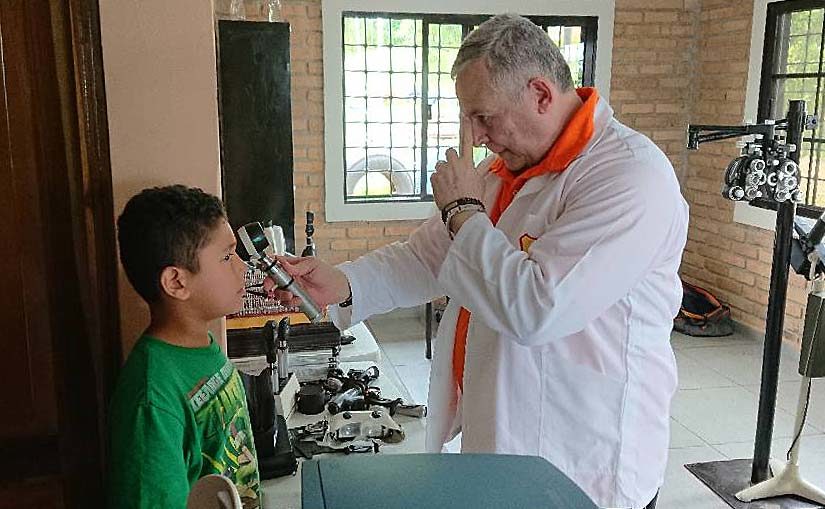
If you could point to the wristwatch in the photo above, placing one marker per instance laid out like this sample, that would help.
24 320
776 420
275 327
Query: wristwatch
347 303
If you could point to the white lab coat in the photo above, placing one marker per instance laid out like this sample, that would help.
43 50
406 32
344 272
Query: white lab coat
568 351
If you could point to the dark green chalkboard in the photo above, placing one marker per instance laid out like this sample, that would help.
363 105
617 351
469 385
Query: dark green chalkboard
256 123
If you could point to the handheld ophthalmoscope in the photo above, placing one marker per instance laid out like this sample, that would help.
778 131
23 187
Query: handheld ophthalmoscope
253 238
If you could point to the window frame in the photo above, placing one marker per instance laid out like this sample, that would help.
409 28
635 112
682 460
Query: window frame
332 11
589 38
755 105
760 88
769 80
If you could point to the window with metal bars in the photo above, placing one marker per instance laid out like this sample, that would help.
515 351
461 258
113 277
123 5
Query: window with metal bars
401 113
792 68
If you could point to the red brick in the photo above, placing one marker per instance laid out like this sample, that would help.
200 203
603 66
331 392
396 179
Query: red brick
365 232
661 17
348 244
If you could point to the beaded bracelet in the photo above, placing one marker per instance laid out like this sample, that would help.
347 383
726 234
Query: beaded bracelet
461 201
458 210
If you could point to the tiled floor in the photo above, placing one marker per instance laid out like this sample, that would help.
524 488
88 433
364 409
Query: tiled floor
713 413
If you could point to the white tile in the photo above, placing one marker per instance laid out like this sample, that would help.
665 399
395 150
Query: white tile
405 353
787 397
389 380
392 325
397 325
681 437
681 341
742 362
682 489
417 381
695 375
726 414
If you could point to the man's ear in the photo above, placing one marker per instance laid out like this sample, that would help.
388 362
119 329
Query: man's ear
541 92
174 283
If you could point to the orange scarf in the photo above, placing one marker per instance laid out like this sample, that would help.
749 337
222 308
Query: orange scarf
572 140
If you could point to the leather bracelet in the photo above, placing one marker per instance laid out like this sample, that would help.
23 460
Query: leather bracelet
459 209
453 204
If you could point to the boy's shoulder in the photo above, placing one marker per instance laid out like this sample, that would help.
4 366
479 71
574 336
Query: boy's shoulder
149 358
161 374
151 353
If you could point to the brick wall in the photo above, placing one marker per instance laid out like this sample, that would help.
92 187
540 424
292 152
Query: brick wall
682 61
674 62
654 48
730 258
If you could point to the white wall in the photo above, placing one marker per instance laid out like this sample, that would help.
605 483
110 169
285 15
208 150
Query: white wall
161 92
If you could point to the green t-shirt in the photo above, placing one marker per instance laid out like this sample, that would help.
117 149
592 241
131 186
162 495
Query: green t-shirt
177 415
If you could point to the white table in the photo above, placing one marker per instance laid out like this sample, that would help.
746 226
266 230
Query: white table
364 348
285 492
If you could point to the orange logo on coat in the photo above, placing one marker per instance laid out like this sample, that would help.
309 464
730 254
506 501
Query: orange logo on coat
525 241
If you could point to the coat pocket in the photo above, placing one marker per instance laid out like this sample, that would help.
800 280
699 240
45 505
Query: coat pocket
582 411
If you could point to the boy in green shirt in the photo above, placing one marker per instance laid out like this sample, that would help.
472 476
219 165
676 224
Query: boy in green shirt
179 409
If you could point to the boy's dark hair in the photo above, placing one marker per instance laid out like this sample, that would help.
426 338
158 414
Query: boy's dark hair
162 227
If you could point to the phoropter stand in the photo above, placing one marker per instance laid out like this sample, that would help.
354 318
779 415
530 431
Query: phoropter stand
765 175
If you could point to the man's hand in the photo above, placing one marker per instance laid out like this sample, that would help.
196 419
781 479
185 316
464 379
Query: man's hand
457 176
324 283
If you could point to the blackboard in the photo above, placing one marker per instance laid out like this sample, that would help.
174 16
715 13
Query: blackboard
256 124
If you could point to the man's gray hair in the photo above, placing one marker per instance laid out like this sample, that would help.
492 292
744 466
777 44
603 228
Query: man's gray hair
515 49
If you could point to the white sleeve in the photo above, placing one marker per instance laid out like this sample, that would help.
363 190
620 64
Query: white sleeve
402 274
614 227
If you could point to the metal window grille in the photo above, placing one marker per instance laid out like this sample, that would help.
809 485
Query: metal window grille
400 107
792 68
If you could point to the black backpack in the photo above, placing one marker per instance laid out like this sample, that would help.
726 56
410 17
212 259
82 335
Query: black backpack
702 314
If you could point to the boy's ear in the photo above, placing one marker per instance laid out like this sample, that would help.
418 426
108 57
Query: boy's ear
174 283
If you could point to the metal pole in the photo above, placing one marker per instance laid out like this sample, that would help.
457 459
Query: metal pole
776 309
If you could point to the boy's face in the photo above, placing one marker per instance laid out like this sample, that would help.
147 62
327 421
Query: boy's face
218 287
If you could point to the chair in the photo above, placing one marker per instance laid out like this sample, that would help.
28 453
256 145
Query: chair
214 492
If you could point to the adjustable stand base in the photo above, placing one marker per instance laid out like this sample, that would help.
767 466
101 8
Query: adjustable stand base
785 481
728 477
785 490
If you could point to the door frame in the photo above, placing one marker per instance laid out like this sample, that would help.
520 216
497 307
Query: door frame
92 182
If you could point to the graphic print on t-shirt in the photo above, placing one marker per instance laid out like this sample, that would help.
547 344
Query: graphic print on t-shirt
219 405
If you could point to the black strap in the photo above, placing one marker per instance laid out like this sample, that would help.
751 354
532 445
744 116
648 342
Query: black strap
461 201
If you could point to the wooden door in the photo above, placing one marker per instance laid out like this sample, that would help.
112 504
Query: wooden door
58 304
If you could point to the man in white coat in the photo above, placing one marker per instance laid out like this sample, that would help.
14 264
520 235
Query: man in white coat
559 255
